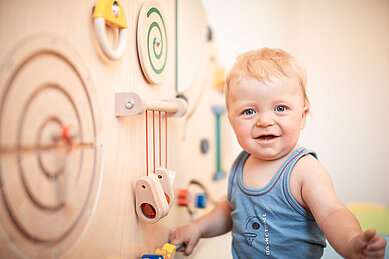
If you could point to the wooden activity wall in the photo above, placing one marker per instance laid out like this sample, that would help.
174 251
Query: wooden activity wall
75 80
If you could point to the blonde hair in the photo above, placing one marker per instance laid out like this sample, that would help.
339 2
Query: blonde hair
264 63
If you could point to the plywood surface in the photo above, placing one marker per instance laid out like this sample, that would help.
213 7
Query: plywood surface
71 195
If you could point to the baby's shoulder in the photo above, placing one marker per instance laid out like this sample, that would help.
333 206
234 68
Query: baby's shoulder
309 166
307 172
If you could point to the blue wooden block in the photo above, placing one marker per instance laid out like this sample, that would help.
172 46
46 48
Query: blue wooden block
150 256
201 200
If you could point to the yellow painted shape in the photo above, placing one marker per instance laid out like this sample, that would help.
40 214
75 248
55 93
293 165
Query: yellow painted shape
104 9
219 80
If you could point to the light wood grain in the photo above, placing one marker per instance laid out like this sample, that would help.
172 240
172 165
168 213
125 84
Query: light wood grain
108 155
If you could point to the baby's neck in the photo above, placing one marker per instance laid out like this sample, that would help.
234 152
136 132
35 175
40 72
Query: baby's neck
257 173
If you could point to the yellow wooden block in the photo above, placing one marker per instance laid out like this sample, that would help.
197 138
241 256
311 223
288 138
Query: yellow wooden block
163 252
171 249
104 9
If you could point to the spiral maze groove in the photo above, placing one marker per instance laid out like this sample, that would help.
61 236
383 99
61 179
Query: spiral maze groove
152 42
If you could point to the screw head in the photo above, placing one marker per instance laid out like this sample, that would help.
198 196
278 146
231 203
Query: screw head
157 42
115 9
130 104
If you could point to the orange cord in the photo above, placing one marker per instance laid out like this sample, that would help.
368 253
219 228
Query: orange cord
153 143
160 142
147 148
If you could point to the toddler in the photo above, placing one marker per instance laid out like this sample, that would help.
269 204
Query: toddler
281 200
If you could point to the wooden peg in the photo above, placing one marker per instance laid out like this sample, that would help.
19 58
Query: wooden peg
131 104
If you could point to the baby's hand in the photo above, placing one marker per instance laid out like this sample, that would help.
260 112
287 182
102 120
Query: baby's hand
368 245
188 235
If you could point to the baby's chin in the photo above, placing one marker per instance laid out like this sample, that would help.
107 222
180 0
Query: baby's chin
272 155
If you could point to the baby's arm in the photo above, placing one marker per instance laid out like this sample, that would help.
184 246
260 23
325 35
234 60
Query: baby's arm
215 223
338 224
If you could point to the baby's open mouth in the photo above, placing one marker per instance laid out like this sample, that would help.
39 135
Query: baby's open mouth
267 137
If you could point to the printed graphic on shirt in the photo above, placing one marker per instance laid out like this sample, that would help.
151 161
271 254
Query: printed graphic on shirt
266 235
253 225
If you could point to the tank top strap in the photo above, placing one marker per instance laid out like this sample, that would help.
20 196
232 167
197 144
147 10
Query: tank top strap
239 161
294 157
288 167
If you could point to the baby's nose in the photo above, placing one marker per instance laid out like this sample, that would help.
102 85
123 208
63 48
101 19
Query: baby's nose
265 120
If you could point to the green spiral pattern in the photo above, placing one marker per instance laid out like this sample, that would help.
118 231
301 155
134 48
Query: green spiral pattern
158 56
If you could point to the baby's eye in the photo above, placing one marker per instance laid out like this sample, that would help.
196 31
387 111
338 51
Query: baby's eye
249 112
280 108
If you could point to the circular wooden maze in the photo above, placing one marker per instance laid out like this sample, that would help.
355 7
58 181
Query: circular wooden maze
50 144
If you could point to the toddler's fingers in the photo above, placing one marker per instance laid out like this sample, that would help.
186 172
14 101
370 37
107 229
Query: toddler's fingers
175 238
363 239
189 246
374 254
175 241
369 235
359 243
188 249
377 243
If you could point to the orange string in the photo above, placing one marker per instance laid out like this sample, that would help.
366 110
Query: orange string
166 140
147 148
160 145
153 143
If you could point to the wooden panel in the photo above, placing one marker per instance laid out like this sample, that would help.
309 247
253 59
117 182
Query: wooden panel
71 195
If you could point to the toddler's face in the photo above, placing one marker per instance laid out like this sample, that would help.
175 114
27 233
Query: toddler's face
267 119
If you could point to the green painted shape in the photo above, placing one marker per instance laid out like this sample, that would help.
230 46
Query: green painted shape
218 156
154 24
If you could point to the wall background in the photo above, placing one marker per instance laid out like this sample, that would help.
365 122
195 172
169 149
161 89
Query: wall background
344 48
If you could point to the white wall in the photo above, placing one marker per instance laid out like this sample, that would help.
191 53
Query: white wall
344 46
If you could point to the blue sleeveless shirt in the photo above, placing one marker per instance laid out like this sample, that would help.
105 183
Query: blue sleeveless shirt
268 222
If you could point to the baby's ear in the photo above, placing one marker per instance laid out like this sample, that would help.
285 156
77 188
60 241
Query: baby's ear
304 117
